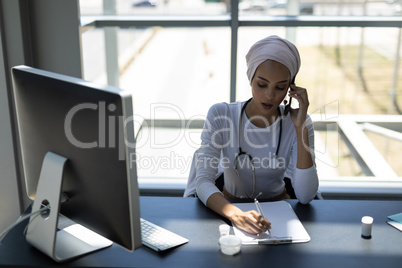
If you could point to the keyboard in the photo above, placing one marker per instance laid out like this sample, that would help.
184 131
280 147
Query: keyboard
158 238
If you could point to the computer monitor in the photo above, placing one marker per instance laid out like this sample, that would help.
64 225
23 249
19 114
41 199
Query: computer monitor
76 147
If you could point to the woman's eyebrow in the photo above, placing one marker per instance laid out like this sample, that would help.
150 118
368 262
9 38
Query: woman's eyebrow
283 81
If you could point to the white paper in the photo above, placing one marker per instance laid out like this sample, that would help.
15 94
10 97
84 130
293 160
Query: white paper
395 224
284 223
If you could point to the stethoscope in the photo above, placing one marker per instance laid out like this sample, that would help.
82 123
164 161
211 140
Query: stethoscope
273 161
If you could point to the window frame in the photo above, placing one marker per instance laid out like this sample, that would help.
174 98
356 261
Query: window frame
373 185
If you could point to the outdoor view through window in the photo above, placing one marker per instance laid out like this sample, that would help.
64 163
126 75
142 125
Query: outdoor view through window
177 71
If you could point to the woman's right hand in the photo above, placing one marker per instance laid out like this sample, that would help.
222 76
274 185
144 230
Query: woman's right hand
251 222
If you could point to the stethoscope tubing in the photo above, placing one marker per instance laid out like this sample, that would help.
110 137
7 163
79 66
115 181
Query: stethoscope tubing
241 152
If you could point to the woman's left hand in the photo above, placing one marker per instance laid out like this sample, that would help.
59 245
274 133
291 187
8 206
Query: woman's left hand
299 115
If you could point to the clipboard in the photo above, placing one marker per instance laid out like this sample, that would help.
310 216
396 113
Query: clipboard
285 225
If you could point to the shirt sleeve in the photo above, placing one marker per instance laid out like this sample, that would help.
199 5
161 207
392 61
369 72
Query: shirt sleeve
212 142
305 181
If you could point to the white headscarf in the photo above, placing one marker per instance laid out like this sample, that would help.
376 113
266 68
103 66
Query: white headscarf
276 49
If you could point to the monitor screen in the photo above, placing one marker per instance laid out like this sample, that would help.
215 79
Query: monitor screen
92 127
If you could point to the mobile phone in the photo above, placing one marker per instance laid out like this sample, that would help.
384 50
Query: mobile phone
289 103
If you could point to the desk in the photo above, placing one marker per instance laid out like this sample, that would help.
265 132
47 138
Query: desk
334 227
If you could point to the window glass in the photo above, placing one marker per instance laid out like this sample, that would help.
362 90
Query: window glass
389 148
93 56
187 68
166 152
157 7
320 8
339 65
176 74
347 71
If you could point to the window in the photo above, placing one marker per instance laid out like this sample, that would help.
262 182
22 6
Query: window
180 57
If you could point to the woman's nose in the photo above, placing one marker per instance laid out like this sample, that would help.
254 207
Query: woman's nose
270 93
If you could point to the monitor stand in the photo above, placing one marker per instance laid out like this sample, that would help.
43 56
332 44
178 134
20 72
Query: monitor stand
65 244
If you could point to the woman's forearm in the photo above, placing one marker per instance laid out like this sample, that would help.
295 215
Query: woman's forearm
304 158
220 205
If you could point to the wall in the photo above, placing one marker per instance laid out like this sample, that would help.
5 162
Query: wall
44 34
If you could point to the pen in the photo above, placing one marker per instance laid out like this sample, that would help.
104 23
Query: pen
257 204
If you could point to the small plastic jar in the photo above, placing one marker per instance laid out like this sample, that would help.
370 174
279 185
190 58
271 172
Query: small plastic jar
230 244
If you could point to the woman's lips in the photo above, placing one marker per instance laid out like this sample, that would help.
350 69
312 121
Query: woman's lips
267 106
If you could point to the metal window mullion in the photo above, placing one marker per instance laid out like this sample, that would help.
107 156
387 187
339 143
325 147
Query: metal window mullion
150 21
394 84
225 21
111 52
320 21
234 27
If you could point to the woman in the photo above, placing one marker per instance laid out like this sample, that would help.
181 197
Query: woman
259 142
